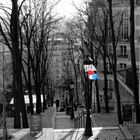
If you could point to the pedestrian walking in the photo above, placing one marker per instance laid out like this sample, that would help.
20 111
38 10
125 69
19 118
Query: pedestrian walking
57 105
28 109
75 105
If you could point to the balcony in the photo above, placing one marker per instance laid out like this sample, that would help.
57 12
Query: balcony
123 56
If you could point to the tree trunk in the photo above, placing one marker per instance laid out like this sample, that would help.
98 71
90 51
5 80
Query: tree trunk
77 96
19 97
30 99
133 61
118 100
44 98
90 82
105 82
23 107
29 83
38 99
19 103
17 123
97 97
115 63
15 45
97 93
24 114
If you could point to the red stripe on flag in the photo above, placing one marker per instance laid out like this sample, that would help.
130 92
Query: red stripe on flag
90 72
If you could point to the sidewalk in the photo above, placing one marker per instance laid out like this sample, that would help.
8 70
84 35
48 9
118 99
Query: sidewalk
134 129
104 119
24 134
111 119
100 133
105 127
63 121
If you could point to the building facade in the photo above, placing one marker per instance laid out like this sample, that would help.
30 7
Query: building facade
121 12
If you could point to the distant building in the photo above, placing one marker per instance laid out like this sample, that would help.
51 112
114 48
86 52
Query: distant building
123 49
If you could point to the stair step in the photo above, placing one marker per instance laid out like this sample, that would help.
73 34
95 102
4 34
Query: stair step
63 122
60 113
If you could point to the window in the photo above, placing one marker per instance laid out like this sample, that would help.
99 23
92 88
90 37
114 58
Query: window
109 49
123 50
124 26
109 82
122 65
137 34
110 95
137 20
125 34
138 2
108 68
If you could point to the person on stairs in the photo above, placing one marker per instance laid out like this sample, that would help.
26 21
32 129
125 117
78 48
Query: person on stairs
57 105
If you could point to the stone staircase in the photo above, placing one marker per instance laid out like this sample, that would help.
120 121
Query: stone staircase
63 121
64 130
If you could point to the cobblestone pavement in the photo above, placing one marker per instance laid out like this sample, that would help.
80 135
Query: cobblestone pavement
24 134
103 119
63 121
105 127
98 134
111 119
109 132
134 130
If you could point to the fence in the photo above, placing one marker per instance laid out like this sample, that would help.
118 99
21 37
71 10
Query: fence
80 119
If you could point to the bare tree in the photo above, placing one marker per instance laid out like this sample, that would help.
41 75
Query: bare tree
9 29
36 34
89 18
71 40
133 60
98 21
114 68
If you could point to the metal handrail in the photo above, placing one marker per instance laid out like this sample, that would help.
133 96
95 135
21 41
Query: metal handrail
80 119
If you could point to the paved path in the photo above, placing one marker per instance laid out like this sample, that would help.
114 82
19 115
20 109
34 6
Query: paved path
134 130
64 129
24 134
110 119
63 121
108 133
68 134
104 119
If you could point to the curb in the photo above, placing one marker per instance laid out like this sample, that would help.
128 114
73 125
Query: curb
93 121
126 133
24 134
54 119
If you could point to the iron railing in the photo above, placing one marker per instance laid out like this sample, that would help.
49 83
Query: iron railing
80 119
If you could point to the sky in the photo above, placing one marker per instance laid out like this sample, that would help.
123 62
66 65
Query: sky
64 7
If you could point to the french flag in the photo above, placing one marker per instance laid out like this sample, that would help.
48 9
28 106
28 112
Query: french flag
92 75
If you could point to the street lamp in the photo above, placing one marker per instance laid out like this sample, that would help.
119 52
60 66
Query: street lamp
66 101
88 65
72 87
4 99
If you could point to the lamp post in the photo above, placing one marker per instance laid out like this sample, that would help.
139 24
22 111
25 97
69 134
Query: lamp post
66 101
4 101
72 87
88 65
